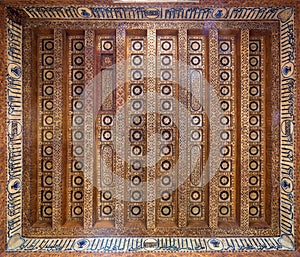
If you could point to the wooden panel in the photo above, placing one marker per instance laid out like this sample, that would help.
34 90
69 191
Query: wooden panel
89 144
198 195
104 186
45 80
272 228
214 117
167 140
136 130
120 120
75 129
157 133
229 78
58 111
150 118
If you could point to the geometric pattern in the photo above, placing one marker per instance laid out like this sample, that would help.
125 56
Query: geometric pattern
225 65
105 184
46 81
75 128
137 145
197 129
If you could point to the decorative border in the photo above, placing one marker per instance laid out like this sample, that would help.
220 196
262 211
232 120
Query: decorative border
14 105
158 13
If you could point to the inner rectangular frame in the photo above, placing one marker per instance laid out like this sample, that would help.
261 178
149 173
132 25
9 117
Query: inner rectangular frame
283 79
76 221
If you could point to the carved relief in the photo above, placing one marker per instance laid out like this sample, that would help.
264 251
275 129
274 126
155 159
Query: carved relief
46 121
136 130
100 159
75 127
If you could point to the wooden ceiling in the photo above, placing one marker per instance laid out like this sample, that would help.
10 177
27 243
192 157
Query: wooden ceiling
113 195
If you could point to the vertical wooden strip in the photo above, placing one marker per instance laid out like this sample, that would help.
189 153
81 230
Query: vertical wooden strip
151 127
205 143
74 209
57 130
244 128
89 133
197 159
234 143
105 75
162 51
30 143
265 95
4 30
120 131
183 173
273 175
213 121
3 124
228 204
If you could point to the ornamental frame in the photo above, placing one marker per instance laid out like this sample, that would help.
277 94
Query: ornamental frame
15 132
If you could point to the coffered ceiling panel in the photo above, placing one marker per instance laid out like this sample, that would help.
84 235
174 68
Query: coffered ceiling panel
150 129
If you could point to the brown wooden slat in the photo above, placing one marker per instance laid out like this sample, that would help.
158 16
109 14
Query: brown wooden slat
58 154
244 127
120 132
183 172
89 133
213 116
151 128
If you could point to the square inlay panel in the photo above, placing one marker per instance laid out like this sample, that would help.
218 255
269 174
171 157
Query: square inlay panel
169 123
